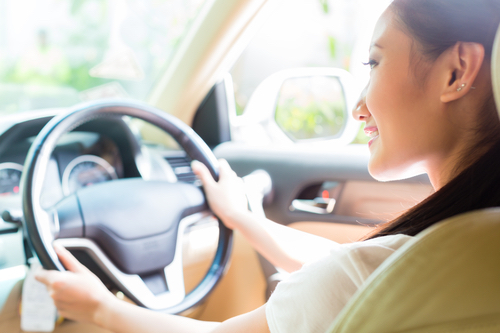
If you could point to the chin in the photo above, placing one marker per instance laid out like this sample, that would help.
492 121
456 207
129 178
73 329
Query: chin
387 174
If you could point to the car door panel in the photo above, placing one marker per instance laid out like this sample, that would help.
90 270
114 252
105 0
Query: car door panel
380 201
361 199
338 232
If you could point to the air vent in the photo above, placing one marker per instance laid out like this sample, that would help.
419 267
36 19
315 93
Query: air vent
182 168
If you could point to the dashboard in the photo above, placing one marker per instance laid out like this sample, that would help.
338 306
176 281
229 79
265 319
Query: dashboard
98 151
81 159
10 177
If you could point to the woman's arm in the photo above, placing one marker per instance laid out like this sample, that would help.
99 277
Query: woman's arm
284 247
79 295
128 318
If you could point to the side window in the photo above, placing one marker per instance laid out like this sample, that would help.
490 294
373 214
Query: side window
308 33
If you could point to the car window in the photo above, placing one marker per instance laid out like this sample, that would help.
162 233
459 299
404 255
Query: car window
308 33
55 53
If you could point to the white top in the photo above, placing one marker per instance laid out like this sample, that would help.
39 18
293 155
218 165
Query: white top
310 298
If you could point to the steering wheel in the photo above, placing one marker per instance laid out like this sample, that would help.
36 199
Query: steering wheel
131 228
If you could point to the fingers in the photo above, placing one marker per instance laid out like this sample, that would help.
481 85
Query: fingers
46 277
68 260
202 172
60 285
205 176
225 169
50 277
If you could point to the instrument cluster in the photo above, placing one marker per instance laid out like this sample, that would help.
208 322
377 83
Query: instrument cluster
81 160
10 176
86 170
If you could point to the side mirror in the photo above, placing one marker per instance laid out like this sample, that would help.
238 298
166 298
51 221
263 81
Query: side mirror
300 106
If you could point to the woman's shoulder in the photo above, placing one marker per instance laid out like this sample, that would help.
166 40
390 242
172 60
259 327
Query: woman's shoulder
356 258
393 242
325 286
366 256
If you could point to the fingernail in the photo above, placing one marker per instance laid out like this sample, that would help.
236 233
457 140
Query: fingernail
58 248
195 164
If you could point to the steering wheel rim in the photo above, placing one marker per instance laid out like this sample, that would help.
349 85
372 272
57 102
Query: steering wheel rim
42 225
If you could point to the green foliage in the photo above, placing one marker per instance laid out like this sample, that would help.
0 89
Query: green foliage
81 34
316 119
76 5
81 80
332 46
58 70
325 6
239 108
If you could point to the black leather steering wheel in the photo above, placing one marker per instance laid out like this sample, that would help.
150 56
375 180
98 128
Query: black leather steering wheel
131 228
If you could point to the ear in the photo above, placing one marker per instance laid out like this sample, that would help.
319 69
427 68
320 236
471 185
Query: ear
464 62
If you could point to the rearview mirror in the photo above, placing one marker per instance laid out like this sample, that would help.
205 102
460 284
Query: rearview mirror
300 106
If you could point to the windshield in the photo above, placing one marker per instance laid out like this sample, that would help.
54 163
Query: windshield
55 53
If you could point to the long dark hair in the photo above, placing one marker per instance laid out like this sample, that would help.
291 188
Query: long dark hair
437 25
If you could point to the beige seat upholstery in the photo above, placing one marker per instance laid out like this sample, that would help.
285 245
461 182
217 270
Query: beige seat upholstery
445 280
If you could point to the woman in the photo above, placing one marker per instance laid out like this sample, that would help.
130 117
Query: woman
428 107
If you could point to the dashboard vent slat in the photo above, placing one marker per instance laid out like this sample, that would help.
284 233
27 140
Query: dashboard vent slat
181 165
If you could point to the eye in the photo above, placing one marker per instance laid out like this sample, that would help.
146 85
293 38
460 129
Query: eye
372 63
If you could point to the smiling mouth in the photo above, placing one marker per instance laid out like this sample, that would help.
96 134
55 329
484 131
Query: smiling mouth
371 141
371 132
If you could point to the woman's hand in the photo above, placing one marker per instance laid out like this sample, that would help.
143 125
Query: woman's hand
78 294
226 197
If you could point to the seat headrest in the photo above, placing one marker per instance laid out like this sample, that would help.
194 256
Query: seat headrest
495 69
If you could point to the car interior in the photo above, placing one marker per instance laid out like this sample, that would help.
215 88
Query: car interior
111 181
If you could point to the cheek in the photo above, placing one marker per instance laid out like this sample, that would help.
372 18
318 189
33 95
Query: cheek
395 109
385 90
380 94
393 101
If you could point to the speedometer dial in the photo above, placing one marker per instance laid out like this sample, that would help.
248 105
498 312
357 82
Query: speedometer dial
86 170
10 175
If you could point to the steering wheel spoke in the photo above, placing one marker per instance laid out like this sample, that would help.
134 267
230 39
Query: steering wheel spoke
158 290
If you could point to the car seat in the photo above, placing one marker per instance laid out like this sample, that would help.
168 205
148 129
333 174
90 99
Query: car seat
447 279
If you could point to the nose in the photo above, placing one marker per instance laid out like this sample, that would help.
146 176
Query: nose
360 112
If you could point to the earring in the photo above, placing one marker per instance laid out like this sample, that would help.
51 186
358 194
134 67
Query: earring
461 87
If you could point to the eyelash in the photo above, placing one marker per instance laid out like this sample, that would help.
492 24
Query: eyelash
372 63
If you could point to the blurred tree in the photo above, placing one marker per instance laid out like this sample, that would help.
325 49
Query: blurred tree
66 64
325 6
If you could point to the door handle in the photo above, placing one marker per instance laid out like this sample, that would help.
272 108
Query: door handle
315 206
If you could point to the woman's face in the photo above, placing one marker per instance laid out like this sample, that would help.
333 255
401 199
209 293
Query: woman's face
403 115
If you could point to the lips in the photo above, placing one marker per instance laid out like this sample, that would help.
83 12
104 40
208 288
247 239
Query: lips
372 132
